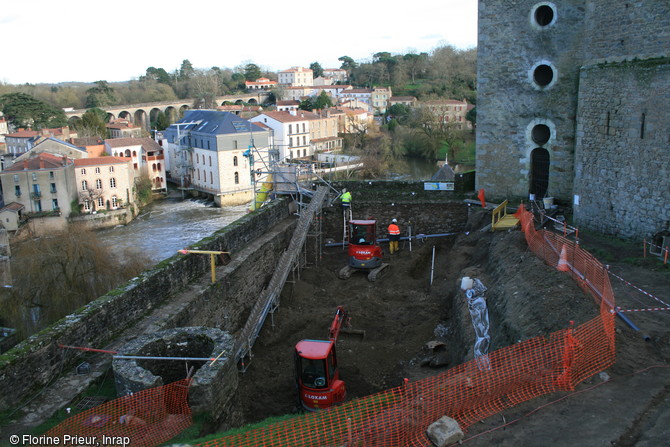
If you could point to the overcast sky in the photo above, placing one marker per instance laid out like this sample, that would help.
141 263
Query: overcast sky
54 41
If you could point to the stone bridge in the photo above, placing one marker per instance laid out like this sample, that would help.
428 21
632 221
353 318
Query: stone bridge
143 114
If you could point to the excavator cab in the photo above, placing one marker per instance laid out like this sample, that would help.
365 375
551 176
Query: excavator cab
364 253
317 375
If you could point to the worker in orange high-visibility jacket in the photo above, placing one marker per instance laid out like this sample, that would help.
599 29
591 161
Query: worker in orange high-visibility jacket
394 236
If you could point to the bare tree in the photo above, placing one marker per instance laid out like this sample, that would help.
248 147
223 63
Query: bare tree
55 276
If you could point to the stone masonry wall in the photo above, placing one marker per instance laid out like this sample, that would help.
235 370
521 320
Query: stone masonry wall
429 212
607 62
510 103
626 29
32 364
622 175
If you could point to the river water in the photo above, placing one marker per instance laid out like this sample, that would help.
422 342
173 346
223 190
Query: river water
172 224
168 225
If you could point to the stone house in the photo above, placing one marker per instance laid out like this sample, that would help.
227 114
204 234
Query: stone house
296 77
323 131
287 105
449 111
44 185
123 128
147 158
260 84
54 146
335 74
10 216
208 153
291 132
380 98
104 183
23 140
409 101
363 97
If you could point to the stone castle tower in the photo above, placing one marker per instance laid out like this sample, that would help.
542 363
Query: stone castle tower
574 103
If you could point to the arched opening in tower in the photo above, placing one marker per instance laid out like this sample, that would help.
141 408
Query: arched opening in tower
539 172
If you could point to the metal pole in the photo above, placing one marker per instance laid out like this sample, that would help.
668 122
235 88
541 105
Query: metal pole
432 267
410 237
141 357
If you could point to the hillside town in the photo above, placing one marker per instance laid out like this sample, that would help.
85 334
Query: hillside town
51 177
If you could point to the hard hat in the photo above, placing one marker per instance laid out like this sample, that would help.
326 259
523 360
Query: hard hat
344 189
394 220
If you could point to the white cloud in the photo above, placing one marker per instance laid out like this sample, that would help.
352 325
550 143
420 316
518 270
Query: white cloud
80 40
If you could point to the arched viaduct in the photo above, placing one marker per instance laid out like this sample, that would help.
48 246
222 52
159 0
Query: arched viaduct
143 114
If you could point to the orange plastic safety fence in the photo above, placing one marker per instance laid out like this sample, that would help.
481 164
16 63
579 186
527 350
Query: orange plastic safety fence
476 389
146 418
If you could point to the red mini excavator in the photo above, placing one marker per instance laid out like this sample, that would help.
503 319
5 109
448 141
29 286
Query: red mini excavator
364 253
317 375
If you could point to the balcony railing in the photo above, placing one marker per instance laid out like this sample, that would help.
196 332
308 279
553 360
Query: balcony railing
35 195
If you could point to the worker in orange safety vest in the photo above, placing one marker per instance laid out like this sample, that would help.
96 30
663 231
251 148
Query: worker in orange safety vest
394 236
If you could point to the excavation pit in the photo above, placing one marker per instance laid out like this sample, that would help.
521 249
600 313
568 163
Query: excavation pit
190 349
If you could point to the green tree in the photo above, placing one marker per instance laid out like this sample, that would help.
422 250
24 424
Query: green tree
399 112
323 101
472 117
252 72
92 124
307 104
158 75
316 69
415 63
347 63
186 71
162 121
23 110
143 187
101 95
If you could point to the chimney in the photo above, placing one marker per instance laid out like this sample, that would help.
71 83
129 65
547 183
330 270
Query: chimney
64 160
25 165
41 163
293 112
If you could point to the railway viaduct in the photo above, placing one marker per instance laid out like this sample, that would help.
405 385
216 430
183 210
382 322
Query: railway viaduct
143 114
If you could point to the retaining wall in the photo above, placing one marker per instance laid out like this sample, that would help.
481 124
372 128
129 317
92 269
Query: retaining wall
36 361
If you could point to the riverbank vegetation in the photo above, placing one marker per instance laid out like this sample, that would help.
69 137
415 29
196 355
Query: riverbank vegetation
54 276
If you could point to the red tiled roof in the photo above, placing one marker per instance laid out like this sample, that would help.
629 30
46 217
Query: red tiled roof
358 90
43 160
438 102
14 206
123 142
121 126
23 134
81 162
285 117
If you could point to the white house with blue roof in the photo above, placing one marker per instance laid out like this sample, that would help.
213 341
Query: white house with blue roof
206 153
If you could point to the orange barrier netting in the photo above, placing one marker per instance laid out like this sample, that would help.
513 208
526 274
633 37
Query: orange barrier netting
146 418
476 389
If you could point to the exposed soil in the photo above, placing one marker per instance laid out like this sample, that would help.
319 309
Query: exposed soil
401 312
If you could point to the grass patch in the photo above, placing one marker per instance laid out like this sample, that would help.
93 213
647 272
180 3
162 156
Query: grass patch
356 410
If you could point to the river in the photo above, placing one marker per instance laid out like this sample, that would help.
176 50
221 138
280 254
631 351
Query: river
172 224
168 225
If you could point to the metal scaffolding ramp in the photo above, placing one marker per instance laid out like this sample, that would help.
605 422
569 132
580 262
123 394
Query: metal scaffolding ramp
269 300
